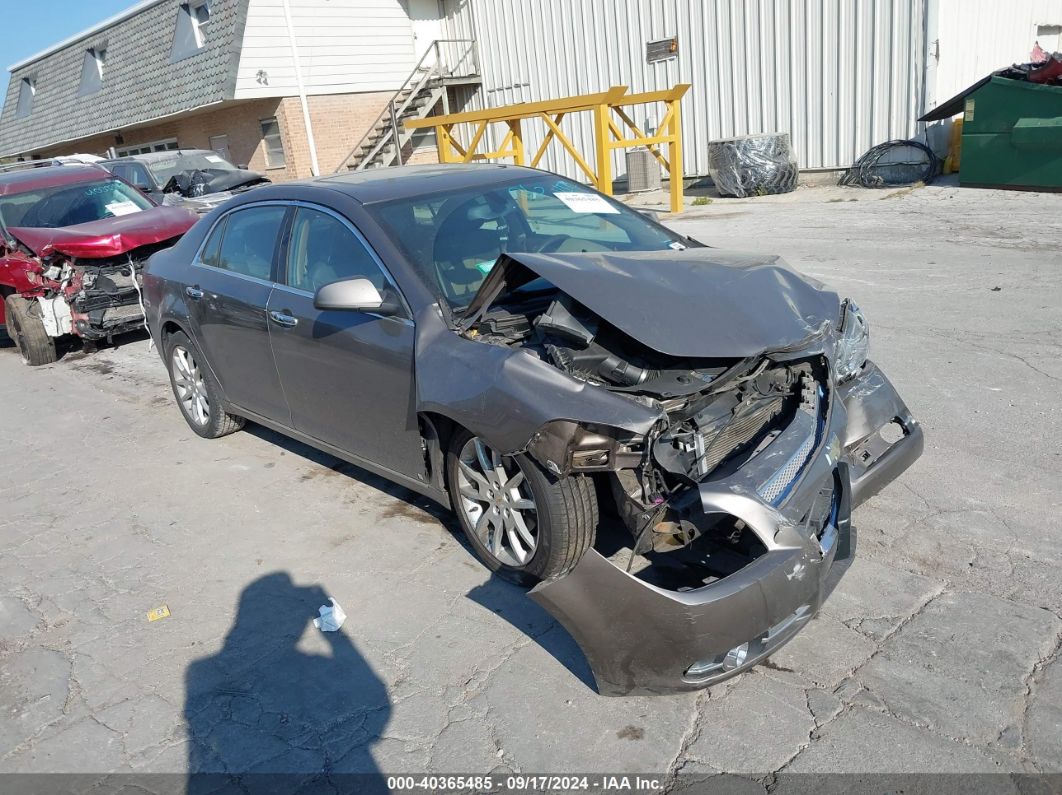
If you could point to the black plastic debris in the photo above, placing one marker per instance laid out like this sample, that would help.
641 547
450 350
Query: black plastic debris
893 164
753 165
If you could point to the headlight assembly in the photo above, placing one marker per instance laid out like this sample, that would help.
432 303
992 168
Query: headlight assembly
853 342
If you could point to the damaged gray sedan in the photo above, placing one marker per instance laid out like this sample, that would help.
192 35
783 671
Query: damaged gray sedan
666 439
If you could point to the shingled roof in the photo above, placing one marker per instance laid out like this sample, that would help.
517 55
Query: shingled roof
140 83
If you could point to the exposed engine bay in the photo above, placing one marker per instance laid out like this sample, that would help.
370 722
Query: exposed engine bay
720 414
94 298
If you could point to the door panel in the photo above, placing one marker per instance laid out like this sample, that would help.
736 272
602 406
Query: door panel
233 286
347 376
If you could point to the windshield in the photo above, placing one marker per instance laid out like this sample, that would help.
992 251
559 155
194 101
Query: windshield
186 162
454 238
69 205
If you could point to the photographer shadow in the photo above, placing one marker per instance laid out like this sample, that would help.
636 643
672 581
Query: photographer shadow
263 715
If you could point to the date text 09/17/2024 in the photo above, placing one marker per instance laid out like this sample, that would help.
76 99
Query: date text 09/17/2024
524 783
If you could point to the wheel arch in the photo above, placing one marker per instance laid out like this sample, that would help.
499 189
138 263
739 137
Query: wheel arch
436 431
5 291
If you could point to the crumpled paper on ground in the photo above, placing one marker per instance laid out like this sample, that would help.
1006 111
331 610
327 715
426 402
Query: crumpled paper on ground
332 617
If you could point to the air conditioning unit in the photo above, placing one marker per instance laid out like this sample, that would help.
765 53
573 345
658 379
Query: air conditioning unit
643 170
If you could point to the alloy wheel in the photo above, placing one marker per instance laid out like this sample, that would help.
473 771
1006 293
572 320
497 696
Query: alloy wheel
191 390
496 499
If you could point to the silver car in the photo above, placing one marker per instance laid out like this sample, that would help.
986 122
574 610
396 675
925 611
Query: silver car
664 439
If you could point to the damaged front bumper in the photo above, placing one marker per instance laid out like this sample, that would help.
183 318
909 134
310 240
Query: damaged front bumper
640 638
881 439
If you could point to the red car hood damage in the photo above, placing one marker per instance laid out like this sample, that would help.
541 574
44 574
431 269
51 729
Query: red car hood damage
109 237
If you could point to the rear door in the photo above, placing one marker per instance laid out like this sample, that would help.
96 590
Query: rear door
232 281
348 376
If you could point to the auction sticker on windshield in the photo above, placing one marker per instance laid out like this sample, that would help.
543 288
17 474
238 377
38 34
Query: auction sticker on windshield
122 208
586 203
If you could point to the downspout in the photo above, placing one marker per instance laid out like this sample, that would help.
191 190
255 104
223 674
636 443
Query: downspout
314 169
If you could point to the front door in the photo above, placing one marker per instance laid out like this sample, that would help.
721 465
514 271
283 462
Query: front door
233 278
220 144
427 19
348 376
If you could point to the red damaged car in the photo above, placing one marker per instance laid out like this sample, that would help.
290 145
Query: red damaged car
73 240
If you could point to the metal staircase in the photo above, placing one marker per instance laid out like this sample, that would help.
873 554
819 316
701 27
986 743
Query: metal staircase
445 63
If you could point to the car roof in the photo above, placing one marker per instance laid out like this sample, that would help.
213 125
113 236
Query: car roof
169 154
28 179
403 182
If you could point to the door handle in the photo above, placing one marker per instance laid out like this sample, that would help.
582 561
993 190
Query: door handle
283 319
193 292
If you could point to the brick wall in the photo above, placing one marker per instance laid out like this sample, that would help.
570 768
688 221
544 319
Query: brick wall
339 121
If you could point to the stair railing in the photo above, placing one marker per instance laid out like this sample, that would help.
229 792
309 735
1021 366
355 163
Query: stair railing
392 112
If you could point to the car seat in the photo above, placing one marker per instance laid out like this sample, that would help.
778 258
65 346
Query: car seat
463 244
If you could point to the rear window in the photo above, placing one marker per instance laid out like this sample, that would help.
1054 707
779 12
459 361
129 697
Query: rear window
70 205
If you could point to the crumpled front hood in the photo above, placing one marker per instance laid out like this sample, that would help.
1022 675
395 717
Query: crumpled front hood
231 180
701 302
109 237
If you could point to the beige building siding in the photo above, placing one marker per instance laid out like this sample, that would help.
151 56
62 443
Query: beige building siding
339 121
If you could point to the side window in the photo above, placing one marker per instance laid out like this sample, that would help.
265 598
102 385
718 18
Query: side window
133 173
321 249
249 241
213 245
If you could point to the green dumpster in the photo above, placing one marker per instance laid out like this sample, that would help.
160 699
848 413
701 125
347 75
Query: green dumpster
1011 134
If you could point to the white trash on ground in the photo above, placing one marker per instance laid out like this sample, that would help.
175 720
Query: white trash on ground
332 617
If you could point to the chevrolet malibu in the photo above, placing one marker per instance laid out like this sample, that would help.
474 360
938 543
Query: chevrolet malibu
533 355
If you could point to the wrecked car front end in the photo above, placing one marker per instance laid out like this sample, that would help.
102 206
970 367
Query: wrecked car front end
754 424
85 279
733 566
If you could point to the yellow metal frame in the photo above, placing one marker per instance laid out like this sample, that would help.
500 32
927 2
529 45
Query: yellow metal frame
605 106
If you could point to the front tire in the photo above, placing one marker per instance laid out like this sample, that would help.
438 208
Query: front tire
198 393
26 330
522 521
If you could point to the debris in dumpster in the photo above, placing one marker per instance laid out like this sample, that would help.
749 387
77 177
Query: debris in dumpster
753 165
893 164
1046 72
158 613
332 617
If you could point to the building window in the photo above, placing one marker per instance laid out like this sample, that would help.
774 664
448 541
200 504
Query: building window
274 145
92 71
1049 37
190 33
166 145
26 91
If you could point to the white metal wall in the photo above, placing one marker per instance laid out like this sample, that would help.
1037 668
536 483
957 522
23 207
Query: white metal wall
838 75
975 37
344 46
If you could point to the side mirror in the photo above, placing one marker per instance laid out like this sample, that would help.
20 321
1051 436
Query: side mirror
354 295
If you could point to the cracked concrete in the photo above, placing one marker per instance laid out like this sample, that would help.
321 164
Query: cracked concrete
939 651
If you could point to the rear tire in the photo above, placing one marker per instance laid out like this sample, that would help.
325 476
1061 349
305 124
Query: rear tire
562 522
26 330
197 392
